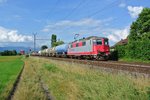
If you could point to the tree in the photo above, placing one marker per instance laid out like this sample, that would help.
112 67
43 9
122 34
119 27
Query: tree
14 52
58 43
53 40
44 47
141 27
139 37
8 53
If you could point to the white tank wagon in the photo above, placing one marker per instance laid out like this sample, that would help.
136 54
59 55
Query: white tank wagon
43 52
39 53
52 52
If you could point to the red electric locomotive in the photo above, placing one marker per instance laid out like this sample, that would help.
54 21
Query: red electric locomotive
92 47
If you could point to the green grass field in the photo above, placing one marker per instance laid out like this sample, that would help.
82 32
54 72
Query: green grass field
10 66
71 81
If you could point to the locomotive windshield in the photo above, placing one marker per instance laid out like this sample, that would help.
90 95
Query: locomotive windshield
106 41
97 42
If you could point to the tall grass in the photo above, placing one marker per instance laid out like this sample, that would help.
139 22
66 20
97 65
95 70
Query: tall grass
29 87
69 81
10 66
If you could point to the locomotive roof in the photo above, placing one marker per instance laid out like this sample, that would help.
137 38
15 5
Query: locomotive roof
91 37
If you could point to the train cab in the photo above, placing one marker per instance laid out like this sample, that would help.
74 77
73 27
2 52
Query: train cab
101 45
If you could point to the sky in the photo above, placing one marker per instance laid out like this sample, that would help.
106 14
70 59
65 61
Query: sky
20 19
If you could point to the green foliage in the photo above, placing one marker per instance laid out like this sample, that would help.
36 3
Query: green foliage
44 47
113 55
135 50
141 26
148 92
58 43
138 46
121 49
54 41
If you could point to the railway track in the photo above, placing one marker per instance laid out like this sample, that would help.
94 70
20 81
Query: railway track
130 67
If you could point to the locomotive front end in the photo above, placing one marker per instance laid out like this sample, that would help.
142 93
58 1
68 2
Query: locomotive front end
101 48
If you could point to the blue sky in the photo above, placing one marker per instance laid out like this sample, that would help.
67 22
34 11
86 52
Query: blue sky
65 18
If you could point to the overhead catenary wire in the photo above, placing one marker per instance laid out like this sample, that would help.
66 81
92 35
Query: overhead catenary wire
98 11
110 5
54 7
74 9
102 9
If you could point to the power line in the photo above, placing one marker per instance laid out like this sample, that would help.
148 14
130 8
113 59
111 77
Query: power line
35 39
55 6
98 11
104 8
79 5
43 39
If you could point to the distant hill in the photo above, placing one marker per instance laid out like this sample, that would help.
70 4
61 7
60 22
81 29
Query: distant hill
26 49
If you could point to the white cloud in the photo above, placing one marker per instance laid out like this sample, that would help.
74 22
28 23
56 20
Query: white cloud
118 34
83 23
87 27
7 35
88 22
134 11
17 17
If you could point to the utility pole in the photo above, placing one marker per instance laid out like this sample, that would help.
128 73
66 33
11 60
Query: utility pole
34 35
35 39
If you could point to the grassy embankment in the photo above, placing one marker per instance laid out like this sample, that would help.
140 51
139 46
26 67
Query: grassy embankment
125 59
69 81
10 66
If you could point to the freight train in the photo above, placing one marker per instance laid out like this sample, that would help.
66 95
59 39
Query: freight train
91 48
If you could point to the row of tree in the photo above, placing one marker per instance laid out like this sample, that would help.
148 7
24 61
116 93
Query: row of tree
138 46
8 53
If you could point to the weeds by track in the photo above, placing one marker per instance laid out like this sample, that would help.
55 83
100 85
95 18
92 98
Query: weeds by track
43 86
130 67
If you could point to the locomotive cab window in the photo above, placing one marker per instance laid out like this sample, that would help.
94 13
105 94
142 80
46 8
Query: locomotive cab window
83 43
106 41
77 44
97 42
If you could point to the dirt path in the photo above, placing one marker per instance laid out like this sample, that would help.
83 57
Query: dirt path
15 85
31 85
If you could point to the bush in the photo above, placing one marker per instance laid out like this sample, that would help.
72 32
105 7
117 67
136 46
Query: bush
139 50
121 49
135 50
113 55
